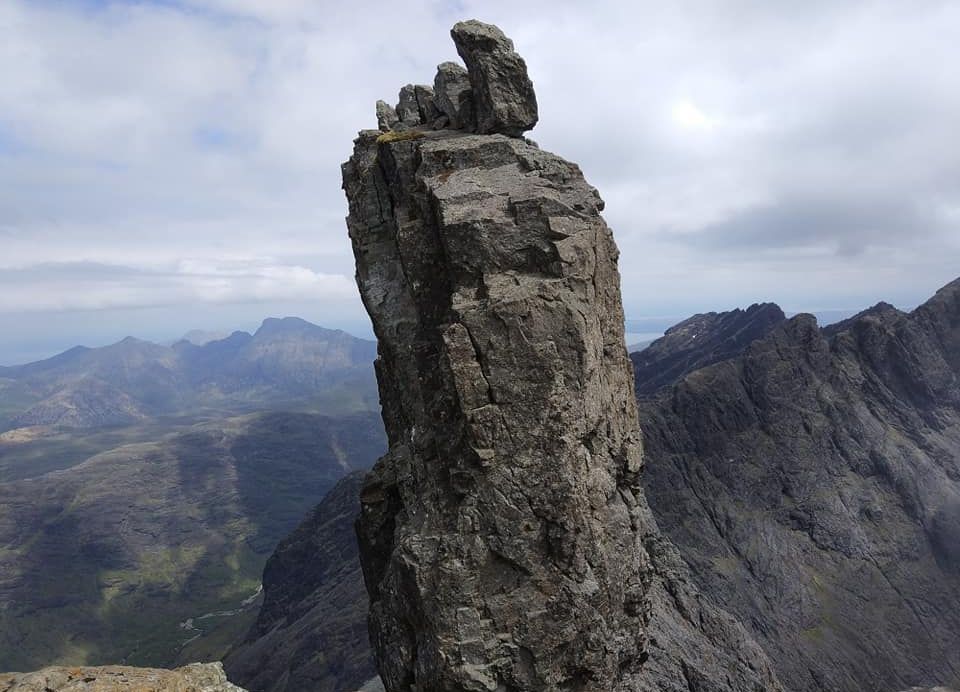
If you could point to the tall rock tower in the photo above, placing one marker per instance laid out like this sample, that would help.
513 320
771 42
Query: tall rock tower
501 534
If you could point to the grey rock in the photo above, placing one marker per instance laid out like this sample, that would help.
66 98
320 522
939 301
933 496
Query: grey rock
452 94
500 534
694 645
699 341
812 482
408 110
386 116
196 677
311 633
503 94
425 103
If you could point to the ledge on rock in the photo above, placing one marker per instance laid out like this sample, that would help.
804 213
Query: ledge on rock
196 677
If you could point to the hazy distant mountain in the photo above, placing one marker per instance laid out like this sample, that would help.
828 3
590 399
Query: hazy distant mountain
199 337
143 486
284 360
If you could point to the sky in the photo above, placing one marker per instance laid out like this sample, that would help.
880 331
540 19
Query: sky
168 165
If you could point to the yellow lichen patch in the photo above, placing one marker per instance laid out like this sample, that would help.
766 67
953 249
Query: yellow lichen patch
22 435
388 137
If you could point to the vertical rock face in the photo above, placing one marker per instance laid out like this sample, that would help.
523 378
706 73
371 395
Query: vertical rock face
501 536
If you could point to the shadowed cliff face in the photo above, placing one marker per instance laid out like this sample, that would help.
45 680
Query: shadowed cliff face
311 633
813 484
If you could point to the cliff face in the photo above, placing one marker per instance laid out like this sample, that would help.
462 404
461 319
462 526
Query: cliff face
500 535
812 482
504 539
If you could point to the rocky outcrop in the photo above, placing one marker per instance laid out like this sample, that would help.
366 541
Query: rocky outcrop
493 95
812 482
504 539
452 94
699 341
503 94
311 633
197 677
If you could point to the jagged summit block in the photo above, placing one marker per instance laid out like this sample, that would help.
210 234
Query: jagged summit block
502 92
501 536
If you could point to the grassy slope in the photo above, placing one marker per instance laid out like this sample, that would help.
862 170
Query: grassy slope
102 561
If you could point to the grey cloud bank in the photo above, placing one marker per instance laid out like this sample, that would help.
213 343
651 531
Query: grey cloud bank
176 164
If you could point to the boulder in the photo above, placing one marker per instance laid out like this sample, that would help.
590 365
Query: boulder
453 96
386 116
408 110
503 94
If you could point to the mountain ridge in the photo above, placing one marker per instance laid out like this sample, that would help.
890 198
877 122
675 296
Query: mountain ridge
813 469
284 359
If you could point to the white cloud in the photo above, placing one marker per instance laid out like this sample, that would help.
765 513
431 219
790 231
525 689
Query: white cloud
168 137
61 287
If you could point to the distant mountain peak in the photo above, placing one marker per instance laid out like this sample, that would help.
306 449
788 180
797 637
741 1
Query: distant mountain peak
290 325
199 337
701 340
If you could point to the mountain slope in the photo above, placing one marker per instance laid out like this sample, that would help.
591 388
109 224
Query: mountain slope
311 632
812 482
102 562
699 341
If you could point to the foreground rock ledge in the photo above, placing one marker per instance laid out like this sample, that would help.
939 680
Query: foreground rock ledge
197 677
500 534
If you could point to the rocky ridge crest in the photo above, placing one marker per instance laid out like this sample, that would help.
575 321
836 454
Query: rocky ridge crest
816 471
